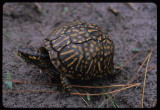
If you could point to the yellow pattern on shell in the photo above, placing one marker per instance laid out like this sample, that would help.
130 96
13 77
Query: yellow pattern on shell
89 67
72 62
80 58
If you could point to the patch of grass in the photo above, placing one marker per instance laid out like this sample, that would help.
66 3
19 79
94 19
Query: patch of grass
121 64
8 83
6 36
75 11
113 102
88 97
104 100
43 12
66 9
135 50
8 75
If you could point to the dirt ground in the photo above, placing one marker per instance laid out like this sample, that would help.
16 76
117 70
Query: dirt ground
131 26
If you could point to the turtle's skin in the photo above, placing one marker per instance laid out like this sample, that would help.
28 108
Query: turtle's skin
77 50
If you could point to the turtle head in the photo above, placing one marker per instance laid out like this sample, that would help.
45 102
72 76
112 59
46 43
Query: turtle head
29 55
38 57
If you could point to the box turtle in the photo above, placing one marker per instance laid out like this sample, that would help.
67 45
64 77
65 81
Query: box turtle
78 50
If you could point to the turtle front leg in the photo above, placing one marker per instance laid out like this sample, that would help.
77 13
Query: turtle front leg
66 85
52 76
50 79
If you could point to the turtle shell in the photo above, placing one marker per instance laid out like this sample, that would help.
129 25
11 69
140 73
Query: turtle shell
81 50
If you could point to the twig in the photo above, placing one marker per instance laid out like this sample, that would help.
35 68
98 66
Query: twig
103 86
140 67
131 59
145 76
131 6
132 80
76 85
117 67
114 11
39 8
8 8
117 93
135 57
85 102
138 84
35 91
154 103
143 73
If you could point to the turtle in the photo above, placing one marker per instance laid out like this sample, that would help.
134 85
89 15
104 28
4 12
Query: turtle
78 50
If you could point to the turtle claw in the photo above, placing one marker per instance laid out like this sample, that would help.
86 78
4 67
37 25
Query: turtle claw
41 70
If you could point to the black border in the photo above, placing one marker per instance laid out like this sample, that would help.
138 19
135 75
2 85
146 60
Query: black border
81 1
